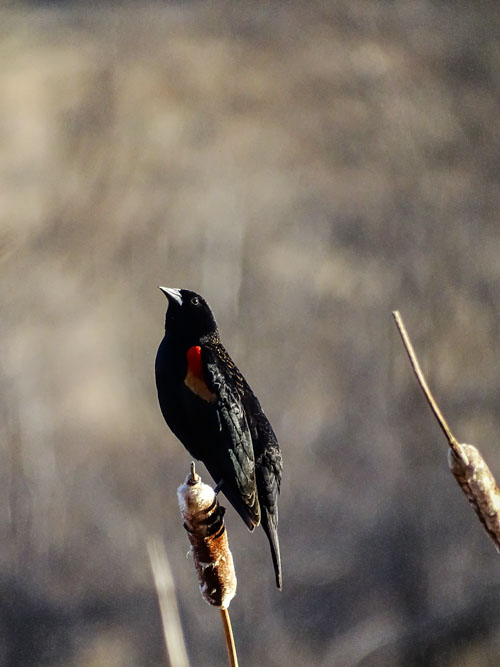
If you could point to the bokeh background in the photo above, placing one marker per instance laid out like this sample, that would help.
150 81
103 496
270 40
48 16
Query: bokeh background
308 167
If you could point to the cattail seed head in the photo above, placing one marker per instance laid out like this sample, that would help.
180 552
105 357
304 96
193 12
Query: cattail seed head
477 482
203 521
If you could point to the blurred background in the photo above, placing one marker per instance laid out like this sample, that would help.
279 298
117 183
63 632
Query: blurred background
308 167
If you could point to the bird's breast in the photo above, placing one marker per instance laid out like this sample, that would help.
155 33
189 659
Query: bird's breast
194 379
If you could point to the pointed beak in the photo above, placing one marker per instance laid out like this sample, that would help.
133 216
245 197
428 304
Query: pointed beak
172 293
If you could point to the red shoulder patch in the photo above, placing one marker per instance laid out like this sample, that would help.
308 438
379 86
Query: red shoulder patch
194 377
194 362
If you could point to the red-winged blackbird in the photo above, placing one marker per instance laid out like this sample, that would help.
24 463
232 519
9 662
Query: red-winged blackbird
209 406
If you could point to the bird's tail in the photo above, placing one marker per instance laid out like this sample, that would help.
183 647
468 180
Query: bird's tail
270 525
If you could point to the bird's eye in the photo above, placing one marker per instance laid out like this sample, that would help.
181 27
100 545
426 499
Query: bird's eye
195 301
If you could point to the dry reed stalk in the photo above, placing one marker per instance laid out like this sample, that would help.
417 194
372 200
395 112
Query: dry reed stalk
465 461
204 523
164 583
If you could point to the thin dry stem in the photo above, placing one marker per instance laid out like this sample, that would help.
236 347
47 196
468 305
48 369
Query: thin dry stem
164 583
228 634
452 441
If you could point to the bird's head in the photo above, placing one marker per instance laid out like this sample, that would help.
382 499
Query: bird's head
188 316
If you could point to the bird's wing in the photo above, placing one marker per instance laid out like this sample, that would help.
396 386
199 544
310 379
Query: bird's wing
268 470
235 460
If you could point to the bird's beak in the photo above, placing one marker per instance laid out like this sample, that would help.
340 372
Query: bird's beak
172 293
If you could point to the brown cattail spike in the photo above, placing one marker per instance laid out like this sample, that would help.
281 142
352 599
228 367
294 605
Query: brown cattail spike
478 484
203 520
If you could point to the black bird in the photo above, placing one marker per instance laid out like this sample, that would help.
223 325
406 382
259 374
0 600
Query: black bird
210 407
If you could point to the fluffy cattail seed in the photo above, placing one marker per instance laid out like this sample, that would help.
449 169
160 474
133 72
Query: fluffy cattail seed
477 482
203 521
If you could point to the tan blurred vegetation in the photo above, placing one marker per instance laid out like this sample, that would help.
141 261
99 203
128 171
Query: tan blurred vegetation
308 167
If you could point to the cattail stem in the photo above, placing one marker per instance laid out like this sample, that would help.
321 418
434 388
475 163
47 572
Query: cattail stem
228 634
465 461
